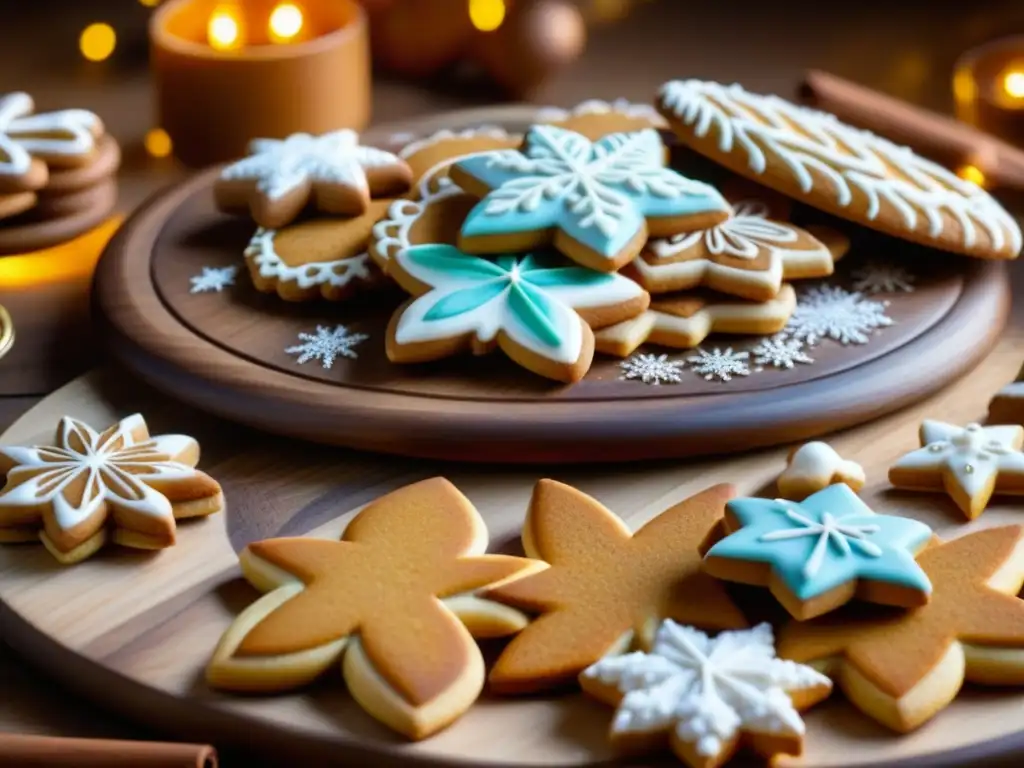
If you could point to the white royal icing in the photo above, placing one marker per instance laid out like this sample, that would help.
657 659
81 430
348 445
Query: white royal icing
620 106
279 166
772 131
65 133
706 691
974 454
114 469
818 463
337 273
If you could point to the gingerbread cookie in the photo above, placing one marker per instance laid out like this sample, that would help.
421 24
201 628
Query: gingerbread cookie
747 255
683 320
103 166
595 119
408 567
539 309
37 228
332 172
16 203
707 698
813 157
121 484
95 198
595 201
1007 407
813 467
903 668
606 589
430 157
969 463
819 554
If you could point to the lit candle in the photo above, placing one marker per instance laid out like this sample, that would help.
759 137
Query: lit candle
228 71
988 87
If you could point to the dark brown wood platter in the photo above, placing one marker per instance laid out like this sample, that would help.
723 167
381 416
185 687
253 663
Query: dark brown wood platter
224 352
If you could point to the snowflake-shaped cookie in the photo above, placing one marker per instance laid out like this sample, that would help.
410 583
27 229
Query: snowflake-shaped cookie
70 494
66 137
281 177
653 369
326 345
720 364
708 694
970 463
214 279
528 305
831 312
597 201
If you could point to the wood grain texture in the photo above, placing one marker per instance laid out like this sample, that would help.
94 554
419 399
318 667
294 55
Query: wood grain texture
225 353
135 631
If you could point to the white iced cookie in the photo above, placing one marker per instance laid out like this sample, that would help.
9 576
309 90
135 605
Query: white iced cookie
813 467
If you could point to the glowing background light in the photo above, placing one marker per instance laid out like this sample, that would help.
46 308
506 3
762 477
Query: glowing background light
1013 83
487 15
97 42
158 143
286 22
971 173
223 31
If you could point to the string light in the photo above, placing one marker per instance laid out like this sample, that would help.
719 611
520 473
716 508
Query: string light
223 30
487 15
1013 83
158 143
97 42
285 22
971 173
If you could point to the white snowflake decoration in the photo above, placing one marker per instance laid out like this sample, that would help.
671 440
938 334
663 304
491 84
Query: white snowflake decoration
831 312
780 352
327 345
213 279
707 690
653 369
720 364
882 277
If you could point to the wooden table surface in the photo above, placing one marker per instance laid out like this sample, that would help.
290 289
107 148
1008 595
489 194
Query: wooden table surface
894 47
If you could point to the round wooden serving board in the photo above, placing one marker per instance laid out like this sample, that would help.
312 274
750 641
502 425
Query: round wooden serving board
134 631
224 352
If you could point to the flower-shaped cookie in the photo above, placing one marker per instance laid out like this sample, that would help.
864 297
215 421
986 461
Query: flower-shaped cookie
706 696
970 463
596 201
384 603
122 480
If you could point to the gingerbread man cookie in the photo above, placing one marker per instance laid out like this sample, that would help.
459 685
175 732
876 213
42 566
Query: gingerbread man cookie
969 463
121 484
816 159
595 201
606 589
707 697
683 320
282 177
407 569
903 668
812 467
821 553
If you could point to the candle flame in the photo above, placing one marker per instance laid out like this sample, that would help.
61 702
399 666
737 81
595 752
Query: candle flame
286 22
224 30
1013 83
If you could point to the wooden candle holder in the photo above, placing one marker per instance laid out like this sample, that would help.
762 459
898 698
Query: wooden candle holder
988 86
213 102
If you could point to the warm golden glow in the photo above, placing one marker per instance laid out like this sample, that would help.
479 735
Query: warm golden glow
487 15
1013 83
224 29
149 3
75 259
158 143
285 23
971 173
97 42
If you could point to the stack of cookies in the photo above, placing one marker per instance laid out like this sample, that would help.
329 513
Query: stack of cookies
57 174
577 236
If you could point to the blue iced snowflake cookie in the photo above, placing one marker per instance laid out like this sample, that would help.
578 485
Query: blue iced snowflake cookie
597 202
822 552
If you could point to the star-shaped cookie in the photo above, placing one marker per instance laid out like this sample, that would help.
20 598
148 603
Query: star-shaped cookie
596 201
821 553
707 697
970 463
815 466
88 486
393 603
902 668
606 589
282 177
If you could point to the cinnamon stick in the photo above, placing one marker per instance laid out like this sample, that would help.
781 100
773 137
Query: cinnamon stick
31 751
944 139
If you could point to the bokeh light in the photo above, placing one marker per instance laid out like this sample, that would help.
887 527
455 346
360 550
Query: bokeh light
285 22
97 41
487 15
158 143
971 173
223 30
1013 83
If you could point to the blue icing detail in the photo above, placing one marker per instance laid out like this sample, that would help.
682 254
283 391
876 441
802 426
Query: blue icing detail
830 538
597 193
